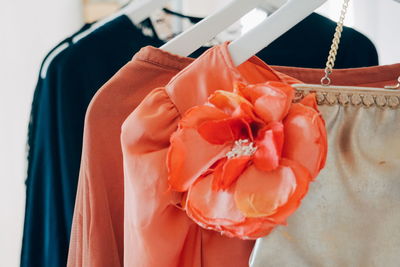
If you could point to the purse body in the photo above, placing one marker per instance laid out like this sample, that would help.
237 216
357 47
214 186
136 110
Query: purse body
350 217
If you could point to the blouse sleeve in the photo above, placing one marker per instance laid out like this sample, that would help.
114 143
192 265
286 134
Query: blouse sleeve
155 228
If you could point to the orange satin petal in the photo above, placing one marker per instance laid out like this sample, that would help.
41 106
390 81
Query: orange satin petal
206 222
235 105
199 114
248 114
224 131
217 132
303 179
269 147
284 87
228 102
238 87
253 92
228 171
271 100
189 157
305 138
259 193
310 100
210 206
251 228
271 107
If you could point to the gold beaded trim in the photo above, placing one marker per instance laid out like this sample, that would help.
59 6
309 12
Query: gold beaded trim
347 96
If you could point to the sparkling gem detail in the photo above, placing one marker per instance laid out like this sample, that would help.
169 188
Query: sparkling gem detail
242 147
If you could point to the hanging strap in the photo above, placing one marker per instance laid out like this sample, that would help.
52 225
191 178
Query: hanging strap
335 45
326 81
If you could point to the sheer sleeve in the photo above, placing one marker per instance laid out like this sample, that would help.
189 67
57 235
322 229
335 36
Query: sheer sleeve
156 230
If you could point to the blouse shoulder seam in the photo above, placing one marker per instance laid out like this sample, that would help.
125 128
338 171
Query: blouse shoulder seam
165 87
172 102
164 90
159 64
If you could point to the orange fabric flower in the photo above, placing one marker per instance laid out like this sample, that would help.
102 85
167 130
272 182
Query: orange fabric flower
246 158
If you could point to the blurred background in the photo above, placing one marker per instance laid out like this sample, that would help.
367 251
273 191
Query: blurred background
29 29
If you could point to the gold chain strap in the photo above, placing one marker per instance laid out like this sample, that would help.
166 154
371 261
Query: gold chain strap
335 45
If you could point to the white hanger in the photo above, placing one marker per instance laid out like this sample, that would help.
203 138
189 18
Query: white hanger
136 11
288 13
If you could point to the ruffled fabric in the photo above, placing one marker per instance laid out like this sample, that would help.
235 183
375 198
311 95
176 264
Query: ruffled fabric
246 158
157 229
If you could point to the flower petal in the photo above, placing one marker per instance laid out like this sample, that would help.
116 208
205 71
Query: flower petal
195 116
228 171
271 108
228 102
269 147
284 87
215 212
259 193
305 138
271 100
224 131
251 228
210 207
189 157
310 100
235 106
303 179
254 91
247 113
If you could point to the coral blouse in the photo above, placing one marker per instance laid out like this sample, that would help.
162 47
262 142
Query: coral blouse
157 232
97 235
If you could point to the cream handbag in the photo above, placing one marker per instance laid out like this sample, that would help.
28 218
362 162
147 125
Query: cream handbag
351 215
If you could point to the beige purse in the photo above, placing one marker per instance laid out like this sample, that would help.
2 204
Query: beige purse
351 215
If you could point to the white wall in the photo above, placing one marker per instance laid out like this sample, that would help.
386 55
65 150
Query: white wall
377 19
28 29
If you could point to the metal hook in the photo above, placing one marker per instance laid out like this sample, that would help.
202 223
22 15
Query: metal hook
325 81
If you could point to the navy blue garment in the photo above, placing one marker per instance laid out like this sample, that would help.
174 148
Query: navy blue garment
56 132
74 76
307 45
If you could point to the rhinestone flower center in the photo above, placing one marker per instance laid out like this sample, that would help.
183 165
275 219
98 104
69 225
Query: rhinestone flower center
242 147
